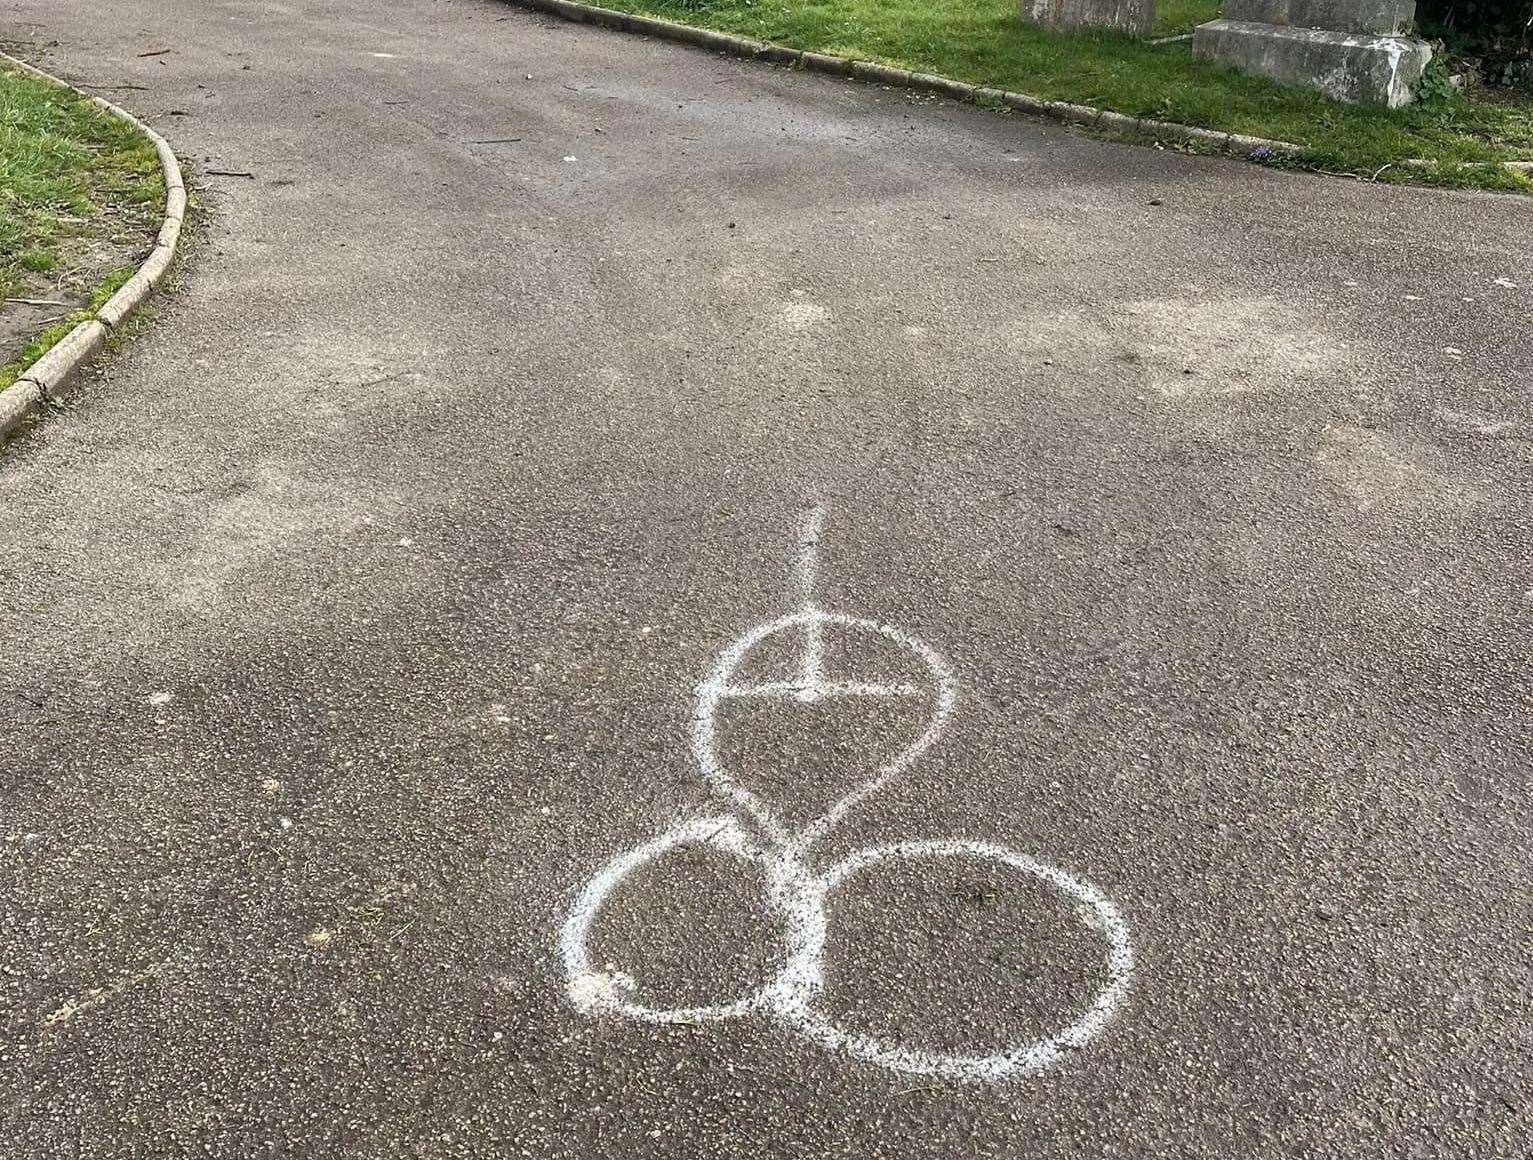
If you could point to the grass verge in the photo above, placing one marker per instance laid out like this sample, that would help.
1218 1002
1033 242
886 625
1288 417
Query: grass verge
983 42
67 170
42 343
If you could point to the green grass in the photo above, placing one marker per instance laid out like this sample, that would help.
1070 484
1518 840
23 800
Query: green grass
39 346
1178 17
65 168
42 343
983 42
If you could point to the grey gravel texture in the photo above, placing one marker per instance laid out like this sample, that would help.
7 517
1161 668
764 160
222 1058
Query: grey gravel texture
353 612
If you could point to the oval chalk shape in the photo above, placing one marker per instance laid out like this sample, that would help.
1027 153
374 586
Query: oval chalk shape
799 999
676 930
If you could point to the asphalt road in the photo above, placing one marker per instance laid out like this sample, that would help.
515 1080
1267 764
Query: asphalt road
354 616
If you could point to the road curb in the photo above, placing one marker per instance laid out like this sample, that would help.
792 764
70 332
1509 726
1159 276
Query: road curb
49 377
1237 144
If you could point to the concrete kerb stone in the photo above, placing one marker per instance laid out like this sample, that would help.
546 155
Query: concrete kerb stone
51 372
18 401
903 78
777 54
1525 167
838 66
49 376
170 233
157 263
121 304
867 70
168 162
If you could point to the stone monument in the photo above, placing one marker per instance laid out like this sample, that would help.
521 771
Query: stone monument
1351 50
1131 16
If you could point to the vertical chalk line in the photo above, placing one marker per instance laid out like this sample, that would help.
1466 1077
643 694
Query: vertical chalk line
811 676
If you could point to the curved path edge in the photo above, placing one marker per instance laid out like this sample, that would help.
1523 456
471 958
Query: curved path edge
1239 144
1235 144
49 376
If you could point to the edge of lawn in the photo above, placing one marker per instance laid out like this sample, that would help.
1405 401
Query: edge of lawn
45 367
1488 174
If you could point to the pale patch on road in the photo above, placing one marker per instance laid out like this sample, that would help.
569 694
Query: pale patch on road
1477 423
1372 468
1184 350
95 997
803 315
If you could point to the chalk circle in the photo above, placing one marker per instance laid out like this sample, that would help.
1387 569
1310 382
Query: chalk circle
599 991
797 1002
801 899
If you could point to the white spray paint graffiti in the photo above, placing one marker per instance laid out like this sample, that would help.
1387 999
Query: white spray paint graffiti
797 893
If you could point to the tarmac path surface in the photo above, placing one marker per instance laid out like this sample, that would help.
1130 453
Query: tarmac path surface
635 604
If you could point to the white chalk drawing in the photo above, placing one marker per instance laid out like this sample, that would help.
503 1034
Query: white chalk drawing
798 894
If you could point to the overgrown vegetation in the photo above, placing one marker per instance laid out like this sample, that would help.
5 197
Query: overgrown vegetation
983 42
1497 33
65 168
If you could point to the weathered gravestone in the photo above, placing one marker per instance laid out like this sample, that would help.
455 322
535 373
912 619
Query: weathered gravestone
1351 50
1133 16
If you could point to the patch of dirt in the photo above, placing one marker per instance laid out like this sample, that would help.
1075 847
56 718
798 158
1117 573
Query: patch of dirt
119 236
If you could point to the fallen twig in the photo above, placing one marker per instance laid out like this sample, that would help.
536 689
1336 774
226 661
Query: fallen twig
36 302
229 173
